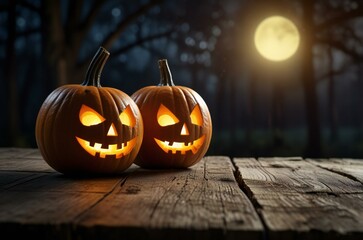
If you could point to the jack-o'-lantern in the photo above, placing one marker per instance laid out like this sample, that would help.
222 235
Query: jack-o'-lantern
177 126
88 128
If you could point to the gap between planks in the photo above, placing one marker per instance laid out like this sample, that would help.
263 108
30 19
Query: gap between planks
290 193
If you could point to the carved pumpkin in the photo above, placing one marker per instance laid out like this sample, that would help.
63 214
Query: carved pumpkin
88 128
177 126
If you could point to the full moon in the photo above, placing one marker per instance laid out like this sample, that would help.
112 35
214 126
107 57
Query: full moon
277 38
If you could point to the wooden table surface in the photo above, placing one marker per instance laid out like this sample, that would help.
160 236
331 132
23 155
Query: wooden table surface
219 198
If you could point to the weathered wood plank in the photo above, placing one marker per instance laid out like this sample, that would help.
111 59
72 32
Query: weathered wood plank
23 160
57 182
204 201
42 215
201 202
11 179
19 153
352 168
298 200
25 165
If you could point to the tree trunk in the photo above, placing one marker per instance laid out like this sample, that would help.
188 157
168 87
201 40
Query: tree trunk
233 115
10 77
313 148
277 113
54 43
251 108
331 100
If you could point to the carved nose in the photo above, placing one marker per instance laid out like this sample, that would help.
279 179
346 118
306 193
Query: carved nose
112 131
184 130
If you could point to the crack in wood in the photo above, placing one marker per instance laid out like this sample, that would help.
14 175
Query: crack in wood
351 177
155 207
78 217
20 181
248 192
302 198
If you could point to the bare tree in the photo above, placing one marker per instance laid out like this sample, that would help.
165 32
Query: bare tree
61 42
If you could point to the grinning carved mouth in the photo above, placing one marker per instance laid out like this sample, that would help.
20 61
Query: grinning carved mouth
193 146
111 150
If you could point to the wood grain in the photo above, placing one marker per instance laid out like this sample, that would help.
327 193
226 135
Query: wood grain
287 198
201 202
351 168
297 199
22 160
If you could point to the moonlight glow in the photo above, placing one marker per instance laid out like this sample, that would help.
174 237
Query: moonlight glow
277 38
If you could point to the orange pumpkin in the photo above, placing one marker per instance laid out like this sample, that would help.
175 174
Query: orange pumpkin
177 124
88 128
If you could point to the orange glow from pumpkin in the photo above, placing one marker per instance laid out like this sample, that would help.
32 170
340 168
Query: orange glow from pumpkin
181 146
112 149
112 131
196 116
127 117
89 117
184 130
166 117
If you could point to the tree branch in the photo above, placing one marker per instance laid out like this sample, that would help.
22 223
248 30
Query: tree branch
352 34
73 13
29 6
28 32
358 12
336 72
140 41
86 24
123 49
342 47
126 22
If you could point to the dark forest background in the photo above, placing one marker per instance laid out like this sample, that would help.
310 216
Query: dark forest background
310 105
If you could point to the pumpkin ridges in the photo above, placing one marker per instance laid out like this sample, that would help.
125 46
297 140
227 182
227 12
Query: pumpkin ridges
62 102
199 100
147 98
43 115
110 97
59 127
40 125
105 168
188 92
55 108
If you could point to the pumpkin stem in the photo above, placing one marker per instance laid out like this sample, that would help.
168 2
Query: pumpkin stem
95 68
165 75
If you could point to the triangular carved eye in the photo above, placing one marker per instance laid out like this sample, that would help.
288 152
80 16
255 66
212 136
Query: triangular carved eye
89 117
196 116
127 117
166 117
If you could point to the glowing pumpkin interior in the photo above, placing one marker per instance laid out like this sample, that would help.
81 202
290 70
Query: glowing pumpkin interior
89 117
166 117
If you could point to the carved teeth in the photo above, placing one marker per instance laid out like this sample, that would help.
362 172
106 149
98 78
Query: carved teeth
111 149
182 147
98 146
